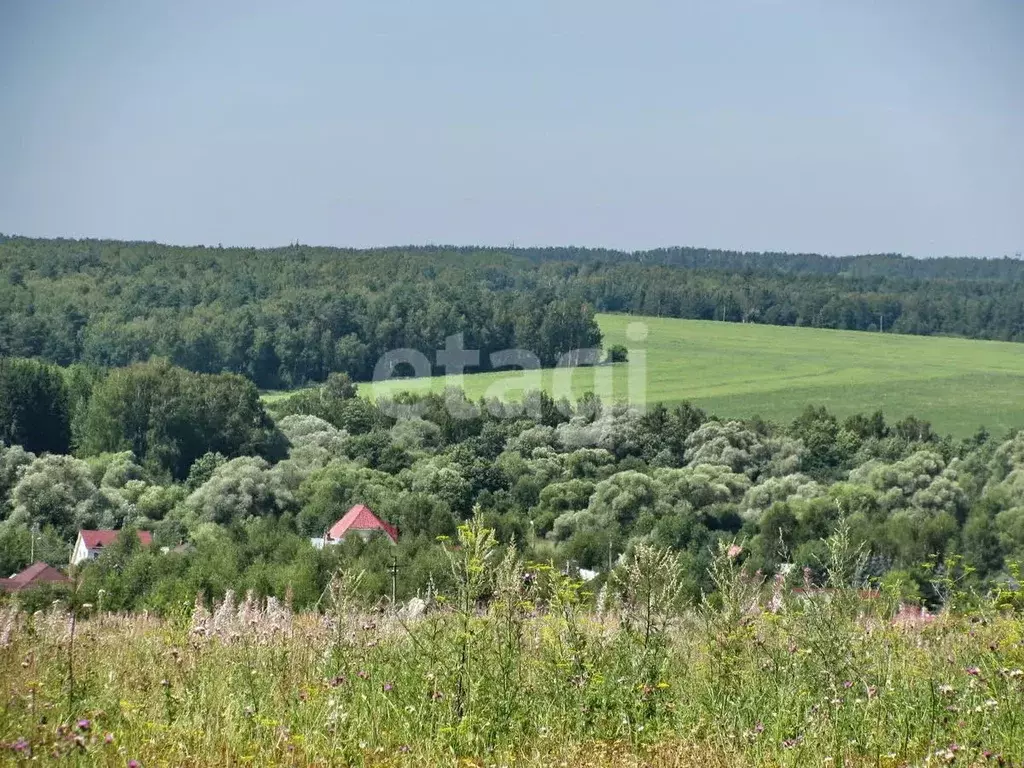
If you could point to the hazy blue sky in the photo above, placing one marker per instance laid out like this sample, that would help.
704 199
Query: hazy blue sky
835 126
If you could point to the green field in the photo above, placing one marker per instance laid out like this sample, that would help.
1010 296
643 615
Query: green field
736 370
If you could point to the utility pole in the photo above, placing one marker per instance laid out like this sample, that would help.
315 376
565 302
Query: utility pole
609 558
881 323
394 577
32 545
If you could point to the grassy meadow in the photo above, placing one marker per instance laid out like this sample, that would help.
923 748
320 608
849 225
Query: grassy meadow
743 370
518 666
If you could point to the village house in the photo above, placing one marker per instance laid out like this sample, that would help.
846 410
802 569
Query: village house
360 521
90 544
35 575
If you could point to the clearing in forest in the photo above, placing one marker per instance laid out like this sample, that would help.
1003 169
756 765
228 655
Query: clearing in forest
743 370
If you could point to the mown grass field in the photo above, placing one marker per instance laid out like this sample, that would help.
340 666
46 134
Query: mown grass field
736 370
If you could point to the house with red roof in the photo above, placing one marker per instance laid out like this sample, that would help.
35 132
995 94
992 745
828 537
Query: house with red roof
362 522
35 575
90 544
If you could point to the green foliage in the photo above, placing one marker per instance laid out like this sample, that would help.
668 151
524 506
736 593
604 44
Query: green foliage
617 353
168 417
35 411
281 317
234 497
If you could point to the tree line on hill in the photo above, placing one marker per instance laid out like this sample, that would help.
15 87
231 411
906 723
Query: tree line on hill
285 317
201 461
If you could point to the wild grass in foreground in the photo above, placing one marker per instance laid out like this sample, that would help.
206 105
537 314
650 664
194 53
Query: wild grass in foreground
518 668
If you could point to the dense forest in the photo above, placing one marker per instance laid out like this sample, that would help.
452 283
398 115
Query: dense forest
129 397
234 492
285 317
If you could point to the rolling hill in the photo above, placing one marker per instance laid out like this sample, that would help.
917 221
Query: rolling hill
742 370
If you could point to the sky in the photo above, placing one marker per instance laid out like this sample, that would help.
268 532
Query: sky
829 126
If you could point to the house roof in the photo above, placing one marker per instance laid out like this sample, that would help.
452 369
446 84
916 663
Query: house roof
95 539
361 518
37 573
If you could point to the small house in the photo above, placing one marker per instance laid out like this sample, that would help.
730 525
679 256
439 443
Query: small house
362 522
90 544
35 575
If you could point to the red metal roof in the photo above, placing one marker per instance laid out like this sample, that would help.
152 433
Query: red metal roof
361 518
94 539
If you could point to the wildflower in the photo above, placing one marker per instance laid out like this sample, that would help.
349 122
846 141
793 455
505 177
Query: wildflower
20 745
363 675
733 551
973 671
404 748
946 690
872 691
436 695
759 728
847 684
790 743
108 739
388 687
134 764
83 724
334 682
